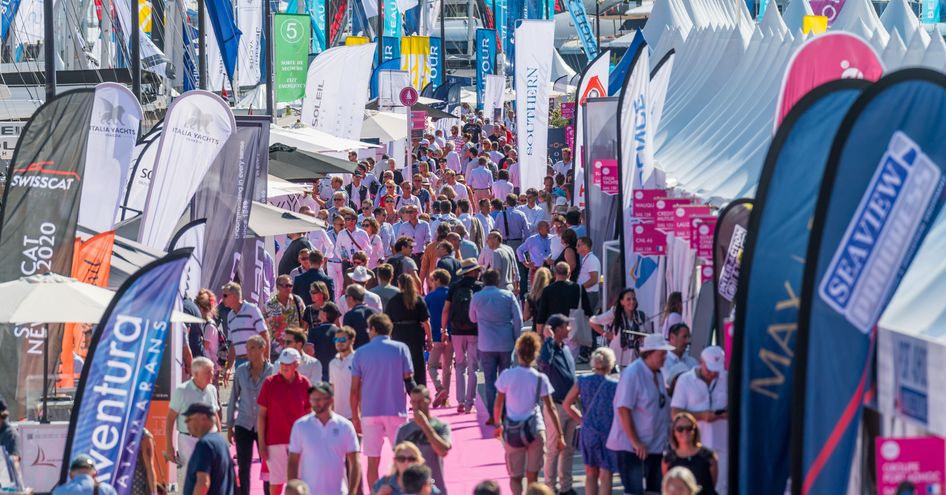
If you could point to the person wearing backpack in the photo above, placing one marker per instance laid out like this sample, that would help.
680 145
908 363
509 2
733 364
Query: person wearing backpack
402 261
463 331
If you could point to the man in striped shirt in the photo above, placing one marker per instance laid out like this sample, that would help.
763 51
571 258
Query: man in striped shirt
244 320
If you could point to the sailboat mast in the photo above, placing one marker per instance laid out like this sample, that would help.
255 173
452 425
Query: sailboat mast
135 51
49 49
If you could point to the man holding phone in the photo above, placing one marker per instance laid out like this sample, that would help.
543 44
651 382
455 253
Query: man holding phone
703 393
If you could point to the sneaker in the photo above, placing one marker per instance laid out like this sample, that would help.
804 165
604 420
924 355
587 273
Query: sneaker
461 409
441 398
490 422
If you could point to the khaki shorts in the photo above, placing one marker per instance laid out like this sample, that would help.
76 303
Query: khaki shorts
528 459
278 463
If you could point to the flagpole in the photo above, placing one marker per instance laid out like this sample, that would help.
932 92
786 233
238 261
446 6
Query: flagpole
135 51
268 29
380 29
49 50
201 46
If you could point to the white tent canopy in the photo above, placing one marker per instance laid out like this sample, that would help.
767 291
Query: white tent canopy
313 141
385 126
267 220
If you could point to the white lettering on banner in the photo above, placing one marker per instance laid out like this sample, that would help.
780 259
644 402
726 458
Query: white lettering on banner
883 231
434 62
729 274
9 134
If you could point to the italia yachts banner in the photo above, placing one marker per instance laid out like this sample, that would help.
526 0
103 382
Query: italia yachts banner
38 229
824 58
533 73
337 90
593 84
769 288
139 180
883 185
115 389
576 9
113 132
196 127
485 62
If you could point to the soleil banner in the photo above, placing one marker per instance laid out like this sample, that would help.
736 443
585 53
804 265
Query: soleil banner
769 289
592 84
290 55
533 69
115 389
485 62
882 186
337 90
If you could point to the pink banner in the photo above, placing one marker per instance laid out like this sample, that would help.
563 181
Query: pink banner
667 211
702 229
645 201
568 110
827 8
570 136
682 219
609 176
910 465
648 241
825 58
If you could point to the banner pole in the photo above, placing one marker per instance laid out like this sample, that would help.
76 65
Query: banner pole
380 29
49 50
135 51
201 46
268 29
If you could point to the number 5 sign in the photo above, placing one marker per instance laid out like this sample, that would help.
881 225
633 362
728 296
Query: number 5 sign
291 55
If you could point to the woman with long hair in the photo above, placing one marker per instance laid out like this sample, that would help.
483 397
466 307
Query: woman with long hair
569 252
411 319
687 451
541 280
375 247
621 327
207 304
319 293
406 454
672 313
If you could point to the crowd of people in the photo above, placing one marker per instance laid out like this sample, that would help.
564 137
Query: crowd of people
426 275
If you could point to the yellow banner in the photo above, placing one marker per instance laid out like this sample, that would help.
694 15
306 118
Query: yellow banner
356 40
415 59
816 24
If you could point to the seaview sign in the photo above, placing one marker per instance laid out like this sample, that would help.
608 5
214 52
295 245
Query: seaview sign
881 233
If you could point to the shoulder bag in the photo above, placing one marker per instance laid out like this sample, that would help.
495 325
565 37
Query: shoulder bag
521 434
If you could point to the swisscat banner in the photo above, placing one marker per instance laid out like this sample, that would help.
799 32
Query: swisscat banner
139 181
533 69
601 155
191 236
290 55
39 215
729 241
485 61
619 72
824 58
592 84
415 53
576 9
391 49
114 392
197 125
769 288
113 132
882 186
436 62
337 90
250 24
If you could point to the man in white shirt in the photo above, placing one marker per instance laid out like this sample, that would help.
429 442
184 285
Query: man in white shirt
502 186
458 188
680 340
703 392
513 169
452 157
481 180
589 272
532 210
197 389
323 447
351 239
339 370
565 164
484 216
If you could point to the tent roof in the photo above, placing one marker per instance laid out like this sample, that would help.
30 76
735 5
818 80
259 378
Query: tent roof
267 220
385 126
313 141
795 13
291 163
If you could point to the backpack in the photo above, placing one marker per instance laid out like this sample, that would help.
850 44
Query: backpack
460 309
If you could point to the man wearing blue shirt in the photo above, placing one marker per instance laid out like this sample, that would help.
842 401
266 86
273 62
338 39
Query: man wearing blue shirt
512 223
210 468
82 479
538 247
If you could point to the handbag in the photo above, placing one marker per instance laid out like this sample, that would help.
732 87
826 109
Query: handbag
576 438
580 328
521 434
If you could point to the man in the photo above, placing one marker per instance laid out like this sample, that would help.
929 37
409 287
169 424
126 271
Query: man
504 262
309 366
481 180
339 201
502 186
445 208
428 260
463 331
384 289
499 322
447 260
428 433
561 296
387 230
8 438
565 164
247 382
641 425
417 230
417 480
210 469
82 480
243 320
536 250
303 263
514 175
403 261
350 240
196 390
339 370
302 285
406 198
703 392
484 215
379 370
512 223
283 398
357 316
532 210
573 220
453 159
679 337
319 238
323 447
290 257
282 311
557 363
589 272
356 191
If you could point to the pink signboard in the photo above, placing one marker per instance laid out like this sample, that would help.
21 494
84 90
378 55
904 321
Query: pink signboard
644 204
609 176
682 216
666 212
568 110
569 136
727 332
418 119
702 229
648 241
827 8
911 465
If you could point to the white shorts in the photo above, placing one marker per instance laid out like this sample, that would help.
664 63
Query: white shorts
375 428
278 463
185 447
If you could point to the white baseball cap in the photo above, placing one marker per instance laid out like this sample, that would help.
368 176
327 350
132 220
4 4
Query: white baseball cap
715 358
656 342
289 356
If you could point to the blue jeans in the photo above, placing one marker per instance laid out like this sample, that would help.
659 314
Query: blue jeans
492 364
633 472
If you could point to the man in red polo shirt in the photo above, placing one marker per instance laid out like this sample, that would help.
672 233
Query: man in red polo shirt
283 398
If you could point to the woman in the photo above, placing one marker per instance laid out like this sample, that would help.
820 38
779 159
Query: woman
144 481
521 390
319 293
672 313
687 451
411 319
207 304
406 454
541 280
375 248
680 481
596 393
569 252
621 326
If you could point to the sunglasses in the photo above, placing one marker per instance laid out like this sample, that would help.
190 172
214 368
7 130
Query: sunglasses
339 199
684 429
405 458
339 340
366 225
285 286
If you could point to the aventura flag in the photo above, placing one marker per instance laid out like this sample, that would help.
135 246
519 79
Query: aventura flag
39 214
337 90
114 392
250 23
391 49
769 288
485 61
825 58
729 241
139 180
113 132
415 51
619 72
576 9
929 13
882 186
290 55
8 9
191 236
600 121
533 69
392 19
226 32
493 99
196 126
657 91
592 84
436 62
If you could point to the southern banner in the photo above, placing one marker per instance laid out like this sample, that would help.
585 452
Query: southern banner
436 62
883 185
576 9
485 62
533 73
38 229
729 241
114 392
113 132
769 288
825 58
250 22
415 53
290 55
592 84
337 90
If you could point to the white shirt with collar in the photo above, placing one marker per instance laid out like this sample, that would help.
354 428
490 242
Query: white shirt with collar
533 214
561 167
347 243
514 176
323 450
480 178
693 394
339 375
453 161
